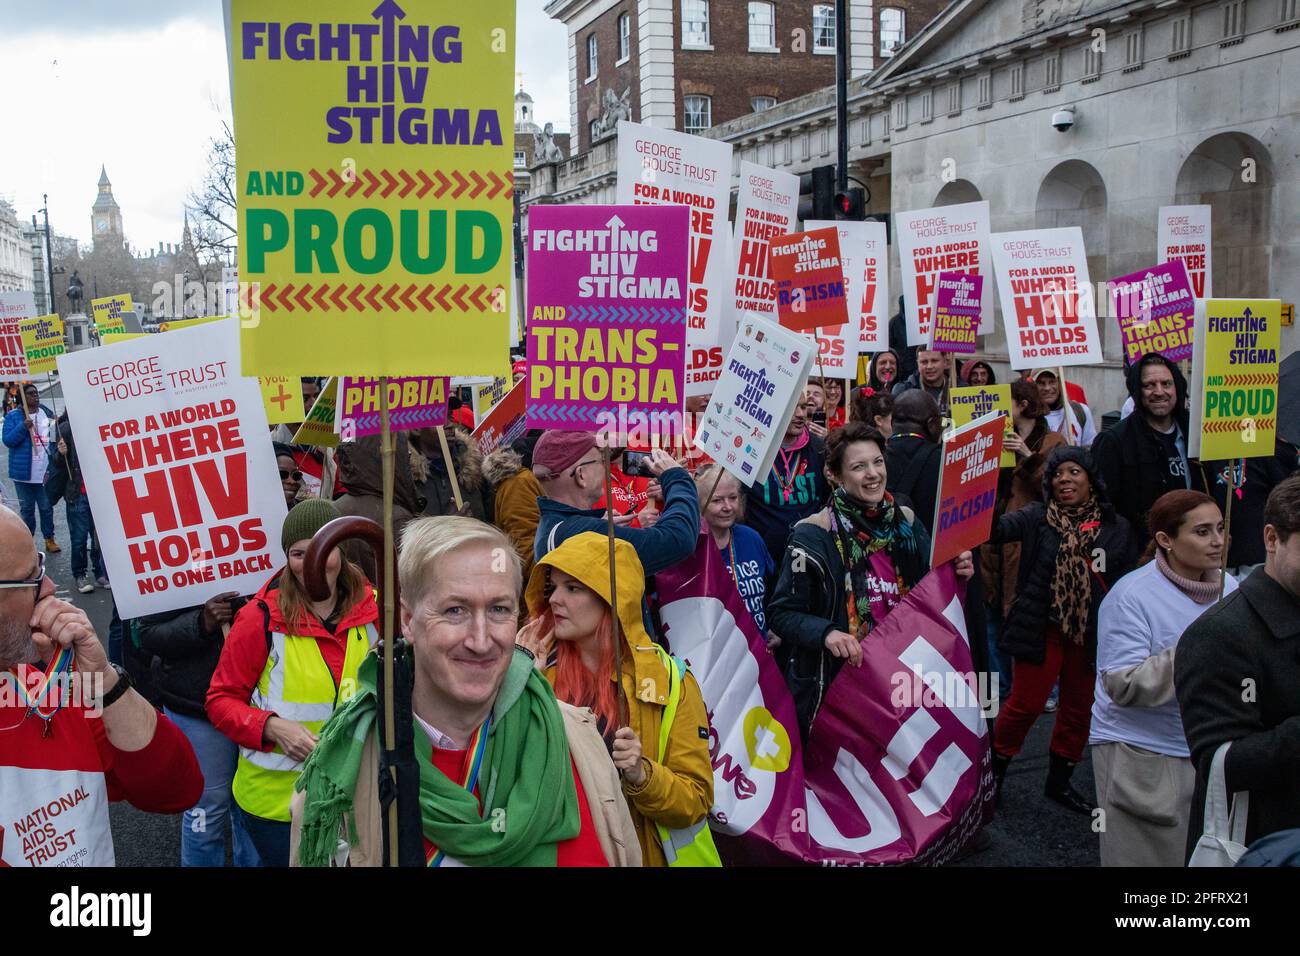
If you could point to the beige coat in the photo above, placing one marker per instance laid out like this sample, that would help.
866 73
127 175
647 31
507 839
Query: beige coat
600 783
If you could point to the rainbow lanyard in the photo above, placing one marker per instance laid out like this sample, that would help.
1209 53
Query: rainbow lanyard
61 665
731 555
477 744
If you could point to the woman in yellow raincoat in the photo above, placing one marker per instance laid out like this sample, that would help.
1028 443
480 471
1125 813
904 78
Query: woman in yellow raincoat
663 751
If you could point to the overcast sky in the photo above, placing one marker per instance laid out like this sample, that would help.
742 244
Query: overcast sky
141 87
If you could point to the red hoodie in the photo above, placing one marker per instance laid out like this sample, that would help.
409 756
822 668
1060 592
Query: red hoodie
243 658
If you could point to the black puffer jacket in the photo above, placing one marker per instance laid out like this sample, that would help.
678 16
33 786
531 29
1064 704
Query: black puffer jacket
184 657
1024 634
1131 458
808 603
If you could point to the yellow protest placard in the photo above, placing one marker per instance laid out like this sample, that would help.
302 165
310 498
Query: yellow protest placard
43 342
1234 378
975 401
485 396
318 426
172 324
374 184
282 396
107 313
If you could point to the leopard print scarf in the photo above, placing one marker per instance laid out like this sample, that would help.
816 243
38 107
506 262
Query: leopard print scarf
1071 589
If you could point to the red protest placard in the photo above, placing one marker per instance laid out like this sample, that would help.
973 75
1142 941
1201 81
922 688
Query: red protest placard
968 488
505 422
810 289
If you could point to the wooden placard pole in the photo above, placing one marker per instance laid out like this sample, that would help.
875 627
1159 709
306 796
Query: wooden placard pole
1067 411
389 630
451 467
615 625
848 405
327 474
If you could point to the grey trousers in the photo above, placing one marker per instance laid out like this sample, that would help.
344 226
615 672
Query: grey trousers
1146 798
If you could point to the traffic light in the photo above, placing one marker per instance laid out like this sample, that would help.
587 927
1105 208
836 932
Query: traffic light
817 194
851 204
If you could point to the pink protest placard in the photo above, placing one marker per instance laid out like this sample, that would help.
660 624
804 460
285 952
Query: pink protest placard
607 317
419 402
1155 309
956 316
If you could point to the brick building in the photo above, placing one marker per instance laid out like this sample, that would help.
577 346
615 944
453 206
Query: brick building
692 64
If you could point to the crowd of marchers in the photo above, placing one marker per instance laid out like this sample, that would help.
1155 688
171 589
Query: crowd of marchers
553 725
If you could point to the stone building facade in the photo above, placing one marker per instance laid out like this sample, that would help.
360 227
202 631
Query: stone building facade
1174 102
16 267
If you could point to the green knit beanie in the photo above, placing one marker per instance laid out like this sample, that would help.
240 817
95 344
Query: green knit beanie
305 519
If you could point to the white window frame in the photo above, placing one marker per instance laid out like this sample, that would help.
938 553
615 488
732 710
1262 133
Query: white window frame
824 10
592 134
888 51
755 6
754 108
686 111
624 39
689 40
593 57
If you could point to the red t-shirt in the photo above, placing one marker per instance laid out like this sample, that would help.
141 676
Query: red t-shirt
582 850
55 788
630 494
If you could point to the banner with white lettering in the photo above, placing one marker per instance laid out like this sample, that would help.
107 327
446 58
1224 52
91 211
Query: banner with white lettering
1183 233
943 239
766 206
897 766
178 466
1047 304
663 167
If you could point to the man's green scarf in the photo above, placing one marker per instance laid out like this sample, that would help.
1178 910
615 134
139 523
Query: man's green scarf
529 799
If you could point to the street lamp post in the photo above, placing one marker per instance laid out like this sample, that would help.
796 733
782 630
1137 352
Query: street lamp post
49 254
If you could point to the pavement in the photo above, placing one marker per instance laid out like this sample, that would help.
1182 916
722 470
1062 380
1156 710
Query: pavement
1029 829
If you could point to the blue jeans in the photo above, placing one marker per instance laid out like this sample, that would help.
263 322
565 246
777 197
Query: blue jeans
203 840
271 837
31 498
999 660
81 529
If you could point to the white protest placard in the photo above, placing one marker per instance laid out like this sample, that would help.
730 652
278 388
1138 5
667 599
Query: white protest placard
865 260
1047 304
15 308
766 206
943 239
663 167
178 466
1183 233
763 377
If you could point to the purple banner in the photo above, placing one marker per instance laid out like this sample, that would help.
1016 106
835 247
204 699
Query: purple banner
957 297
897 768
419 402
1155 309
606 315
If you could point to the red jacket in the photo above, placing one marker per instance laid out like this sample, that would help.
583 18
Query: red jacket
243 658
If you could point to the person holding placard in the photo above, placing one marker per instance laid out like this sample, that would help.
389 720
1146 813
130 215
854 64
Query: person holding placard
846 568
1031 441
1139 749
287 665
661 747
1074 547
1145 455
1078 426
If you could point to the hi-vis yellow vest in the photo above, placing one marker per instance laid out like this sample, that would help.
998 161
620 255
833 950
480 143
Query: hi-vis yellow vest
692 846
296 684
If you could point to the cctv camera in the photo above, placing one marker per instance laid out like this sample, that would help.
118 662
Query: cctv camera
1062 120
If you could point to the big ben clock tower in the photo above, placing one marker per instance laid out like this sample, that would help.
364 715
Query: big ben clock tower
105 216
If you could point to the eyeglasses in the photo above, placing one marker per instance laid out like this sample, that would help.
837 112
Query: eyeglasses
583 464
35 582
295 475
